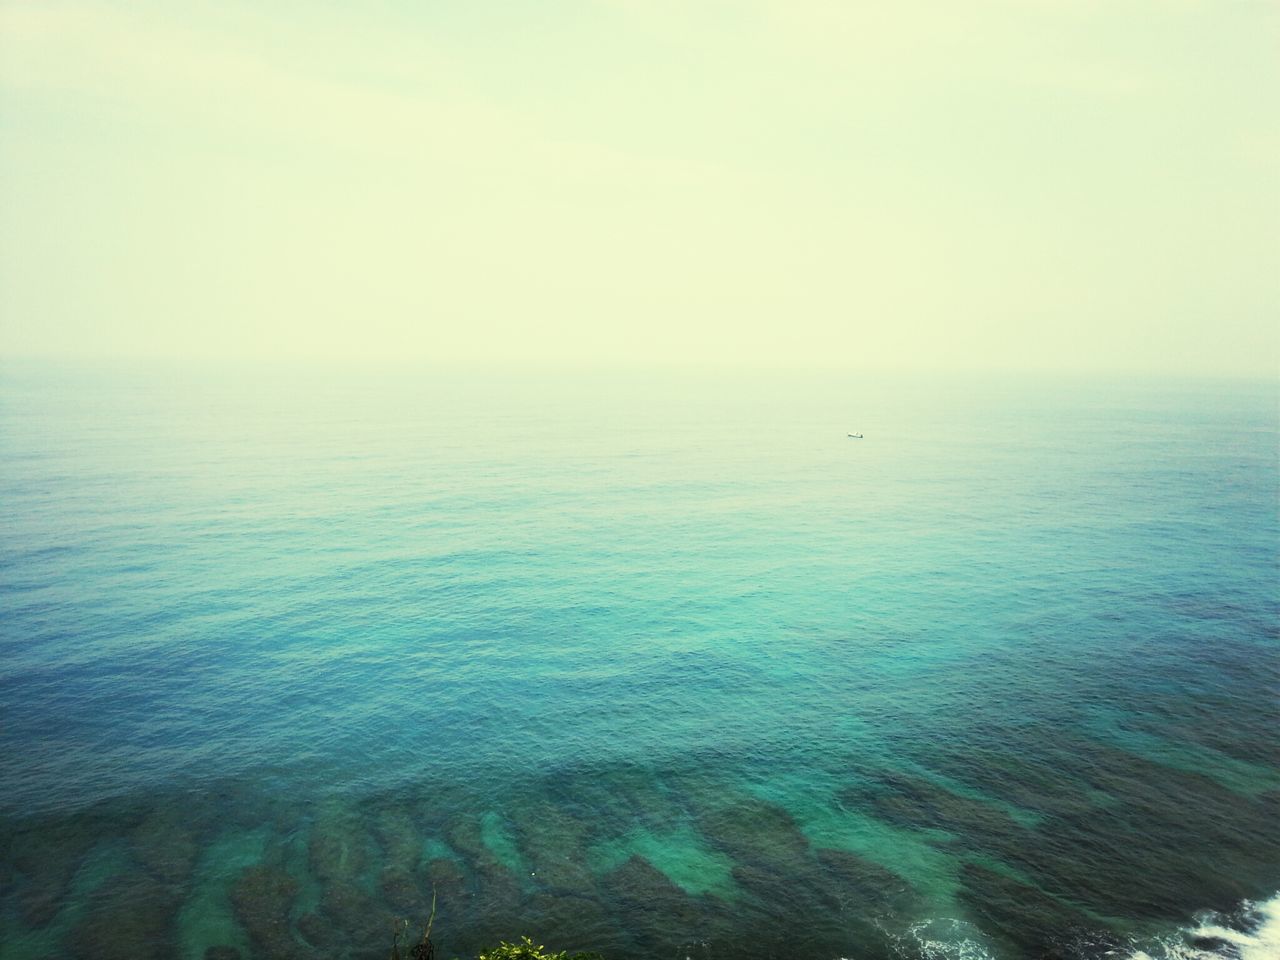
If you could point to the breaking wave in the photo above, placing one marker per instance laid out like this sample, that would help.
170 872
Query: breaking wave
1252 932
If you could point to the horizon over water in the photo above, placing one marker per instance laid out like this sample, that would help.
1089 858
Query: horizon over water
651 664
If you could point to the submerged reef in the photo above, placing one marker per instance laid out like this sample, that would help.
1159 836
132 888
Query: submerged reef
264 898
42 860
633 863
130 918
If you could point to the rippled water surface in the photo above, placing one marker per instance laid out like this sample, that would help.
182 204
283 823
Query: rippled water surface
650 665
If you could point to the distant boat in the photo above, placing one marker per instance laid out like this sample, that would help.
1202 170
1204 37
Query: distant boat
855 436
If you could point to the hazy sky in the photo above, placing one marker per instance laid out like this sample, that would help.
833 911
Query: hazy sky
1025 184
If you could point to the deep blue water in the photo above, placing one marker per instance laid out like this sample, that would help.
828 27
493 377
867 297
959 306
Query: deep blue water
655 665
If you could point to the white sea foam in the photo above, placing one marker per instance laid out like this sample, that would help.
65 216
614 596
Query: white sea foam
1252 934
944 938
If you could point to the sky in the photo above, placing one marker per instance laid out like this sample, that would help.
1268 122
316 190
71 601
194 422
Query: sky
1025 185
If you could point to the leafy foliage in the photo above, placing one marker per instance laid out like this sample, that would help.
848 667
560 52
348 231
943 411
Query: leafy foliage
527 950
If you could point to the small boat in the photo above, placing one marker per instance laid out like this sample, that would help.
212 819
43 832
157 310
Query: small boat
855 436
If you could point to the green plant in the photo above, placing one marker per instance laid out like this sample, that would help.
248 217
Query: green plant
527 950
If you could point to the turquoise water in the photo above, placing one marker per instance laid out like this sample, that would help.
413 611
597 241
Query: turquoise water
654 665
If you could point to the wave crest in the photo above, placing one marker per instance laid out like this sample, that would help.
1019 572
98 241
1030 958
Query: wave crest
1251 932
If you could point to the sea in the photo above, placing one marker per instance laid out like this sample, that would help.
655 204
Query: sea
652 664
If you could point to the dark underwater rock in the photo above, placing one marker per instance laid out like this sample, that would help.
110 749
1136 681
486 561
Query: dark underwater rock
615 798
129 918
494 911
463 834
402 892
752 831
1170 842
808 913
347 922
398 837
480 899
1037 924
920 804
862 891
1024 779
554 845
447 878
263 897
787 914
657 913
42 898
1137 863
319 933
637 882
497 889
861 886
913 801
793 905
222 953
340 847
454 897
570 922
435 805
498 892
1120 833
43 859
763 884
166 844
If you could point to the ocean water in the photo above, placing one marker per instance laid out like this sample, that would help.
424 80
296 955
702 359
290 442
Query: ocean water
656 665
